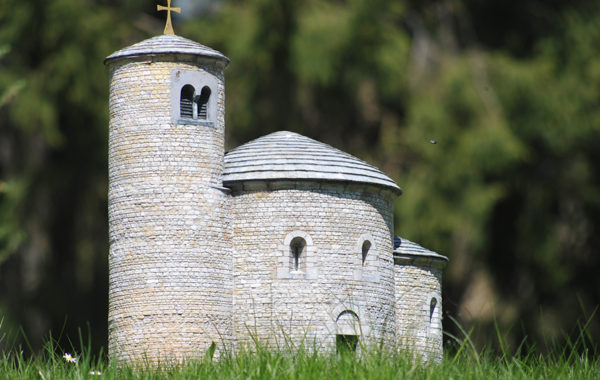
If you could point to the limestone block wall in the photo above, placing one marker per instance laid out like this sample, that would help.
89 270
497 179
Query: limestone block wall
419 306
332 287
170 258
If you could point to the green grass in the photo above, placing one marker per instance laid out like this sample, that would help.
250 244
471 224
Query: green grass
265 364
572 360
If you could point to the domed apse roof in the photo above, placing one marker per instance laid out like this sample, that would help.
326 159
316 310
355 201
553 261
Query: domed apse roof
166 44
288 155
404 246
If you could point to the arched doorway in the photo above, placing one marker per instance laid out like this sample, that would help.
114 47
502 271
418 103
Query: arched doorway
347 332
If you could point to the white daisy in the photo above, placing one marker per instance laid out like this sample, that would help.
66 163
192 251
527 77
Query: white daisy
69 358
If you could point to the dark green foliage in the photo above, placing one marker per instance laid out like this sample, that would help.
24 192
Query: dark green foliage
509 92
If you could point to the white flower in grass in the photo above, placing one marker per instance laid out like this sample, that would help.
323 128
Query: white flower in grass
95 373
69 358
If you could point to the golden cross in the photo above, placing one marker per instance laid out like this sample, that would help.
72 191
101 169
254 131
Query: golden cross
169 26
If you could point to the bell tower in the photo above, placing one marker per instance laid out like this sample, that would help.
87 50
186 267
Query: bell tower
170 281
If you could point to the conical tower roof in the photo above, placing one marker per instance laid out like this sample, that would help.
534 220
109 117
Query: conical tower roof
288 155
404 246
167 44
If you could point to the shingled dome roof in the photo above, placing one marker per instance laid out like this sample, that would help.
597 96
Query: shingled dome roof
406 247
288 155
166 44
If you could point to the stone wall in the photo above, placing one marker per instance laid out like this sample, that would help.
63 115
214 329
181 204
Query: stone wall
419 306
283 262
170 257
284 307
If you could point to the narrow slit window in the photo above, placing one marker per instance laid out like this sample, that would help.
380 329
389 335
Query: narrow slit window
365 251
202 103
432 307
298 254
186 102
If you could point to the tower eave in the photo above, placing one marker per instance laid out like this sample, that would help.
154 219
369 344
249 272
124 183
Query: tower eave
166 45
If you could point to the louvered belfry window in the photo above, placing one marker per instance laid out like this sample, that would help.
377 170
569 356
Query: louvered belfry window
186 102
202 103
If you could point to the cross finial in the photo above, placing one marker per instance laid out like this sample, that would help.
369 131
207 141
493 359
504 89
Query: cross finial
168 26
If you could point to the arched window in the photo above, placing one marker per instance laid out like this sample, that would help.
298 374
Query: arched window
194 98
202 103
186 102
432 314
432 307
365 251
298 254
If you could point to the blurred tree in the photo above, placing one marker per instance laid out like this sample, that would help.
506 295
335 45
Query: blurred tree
509 92
324 68
511 189
53 117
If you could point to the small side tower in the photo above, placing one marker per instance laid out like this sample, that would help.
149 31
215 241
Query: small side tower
170 285
418 278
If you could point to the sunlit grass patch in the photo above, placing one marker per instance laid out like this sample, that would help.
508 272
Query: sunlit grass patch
573 360
304 365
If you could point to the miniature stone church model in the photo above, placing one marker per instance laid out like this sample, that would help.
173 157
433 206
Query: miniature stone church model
284 240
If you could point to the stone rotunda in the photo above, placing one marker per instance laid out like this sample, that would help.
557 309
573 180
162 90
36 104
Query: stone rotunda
284 239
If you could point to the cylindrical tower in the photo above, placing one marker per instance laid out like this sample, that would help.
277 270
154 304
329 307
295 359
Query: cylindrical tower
418 278
170 285
313 241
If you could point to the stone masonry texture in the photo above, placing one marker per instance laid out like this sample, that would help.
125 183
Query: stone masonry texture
274 302
170 287
418 322
203 247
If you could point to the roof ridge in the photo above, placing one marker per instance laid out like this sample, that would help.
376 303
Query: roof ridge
290 155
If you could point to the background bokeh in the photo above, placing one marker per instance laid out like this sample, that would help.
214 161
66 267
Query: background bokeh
509 91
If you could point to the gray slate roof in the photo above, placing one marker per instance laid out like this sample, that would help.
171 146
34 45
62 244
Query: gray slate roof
288 155
167 44
404 246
